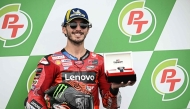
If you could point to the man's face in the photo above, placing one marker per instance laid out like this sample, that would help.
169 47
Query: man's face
76 31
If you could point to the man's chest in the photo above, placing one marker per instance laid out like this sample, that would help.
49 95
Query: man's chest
86 70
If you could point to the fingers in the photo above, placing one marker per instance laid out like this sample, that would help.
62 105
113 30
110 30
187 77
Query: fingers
123 84
128 83
131 83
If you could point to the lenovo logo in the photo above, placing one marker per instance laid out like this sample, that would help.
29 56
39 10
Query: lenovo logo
86 77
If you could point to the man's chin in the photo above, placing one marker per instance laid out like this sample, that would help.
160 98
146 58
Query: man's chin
77 42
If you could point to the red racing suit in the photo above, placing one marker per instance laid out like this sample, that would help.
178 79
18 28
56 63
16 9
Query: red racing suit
61 66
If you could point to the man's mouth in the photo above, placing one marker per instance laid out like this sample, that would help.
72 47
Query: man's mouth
78 34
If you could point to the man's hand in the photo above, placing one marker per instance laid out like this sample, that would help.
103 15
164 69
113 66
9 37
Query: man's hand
122 84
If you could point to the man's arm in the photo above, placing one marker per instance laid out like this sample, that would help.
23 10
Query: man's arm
108 93
45 74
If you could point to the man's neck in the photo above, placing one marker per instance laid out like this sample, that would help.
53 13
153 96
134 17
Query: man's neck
77 51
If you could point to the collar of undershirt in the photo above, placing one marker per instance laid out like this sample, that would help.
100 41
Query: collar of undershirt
64 52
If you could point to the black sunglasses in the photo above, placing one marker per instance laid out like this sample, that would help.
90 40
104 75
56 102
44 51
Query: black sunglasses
73 25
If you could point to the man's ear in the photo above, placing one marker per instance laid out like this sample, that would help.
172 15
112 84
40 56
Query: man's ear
64 31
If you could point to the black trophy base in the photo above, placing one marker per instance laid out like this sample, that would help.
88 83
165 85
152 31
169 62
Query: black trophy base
121 78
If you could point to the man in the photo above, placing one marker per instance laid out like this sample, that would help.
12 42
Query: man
72 77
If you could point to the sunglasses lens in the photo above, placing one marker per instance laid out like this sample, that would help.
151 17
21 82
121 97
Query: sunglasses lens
73 25
83 25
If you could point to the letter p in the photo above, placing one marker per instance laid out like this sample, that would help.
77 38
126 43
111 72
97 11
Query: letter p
12 24
169 78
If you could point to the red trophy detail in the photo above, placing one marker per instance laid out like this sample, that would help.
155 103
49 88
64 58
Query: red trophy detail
118 67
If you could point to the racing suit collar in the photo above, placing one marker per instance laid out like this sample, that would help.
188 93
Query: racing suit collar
73 57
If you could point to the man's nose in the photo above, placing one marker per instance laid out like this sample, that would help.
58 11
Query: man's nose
78 27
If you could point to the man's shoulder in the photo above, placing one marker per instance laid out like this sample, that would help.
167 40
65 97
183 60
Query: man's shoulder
46 59
98 55
53 54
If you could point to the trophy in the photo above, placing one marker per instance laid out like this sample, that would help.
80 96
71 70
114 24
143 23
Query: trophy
119 67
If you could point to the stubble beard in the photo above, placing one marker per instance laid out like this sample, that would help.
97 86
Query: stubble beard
75 42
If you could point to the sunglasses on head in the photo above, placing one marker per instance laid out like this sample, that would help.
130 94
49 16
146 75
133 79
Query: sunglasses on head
74 25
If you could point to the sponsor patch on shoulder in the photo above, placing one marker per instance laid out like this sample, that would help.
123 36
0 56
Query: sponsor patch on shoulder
57 56
44 61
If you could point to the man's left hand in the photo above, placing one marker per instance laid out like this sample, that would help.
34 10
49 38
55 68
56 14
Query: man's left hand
122 84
